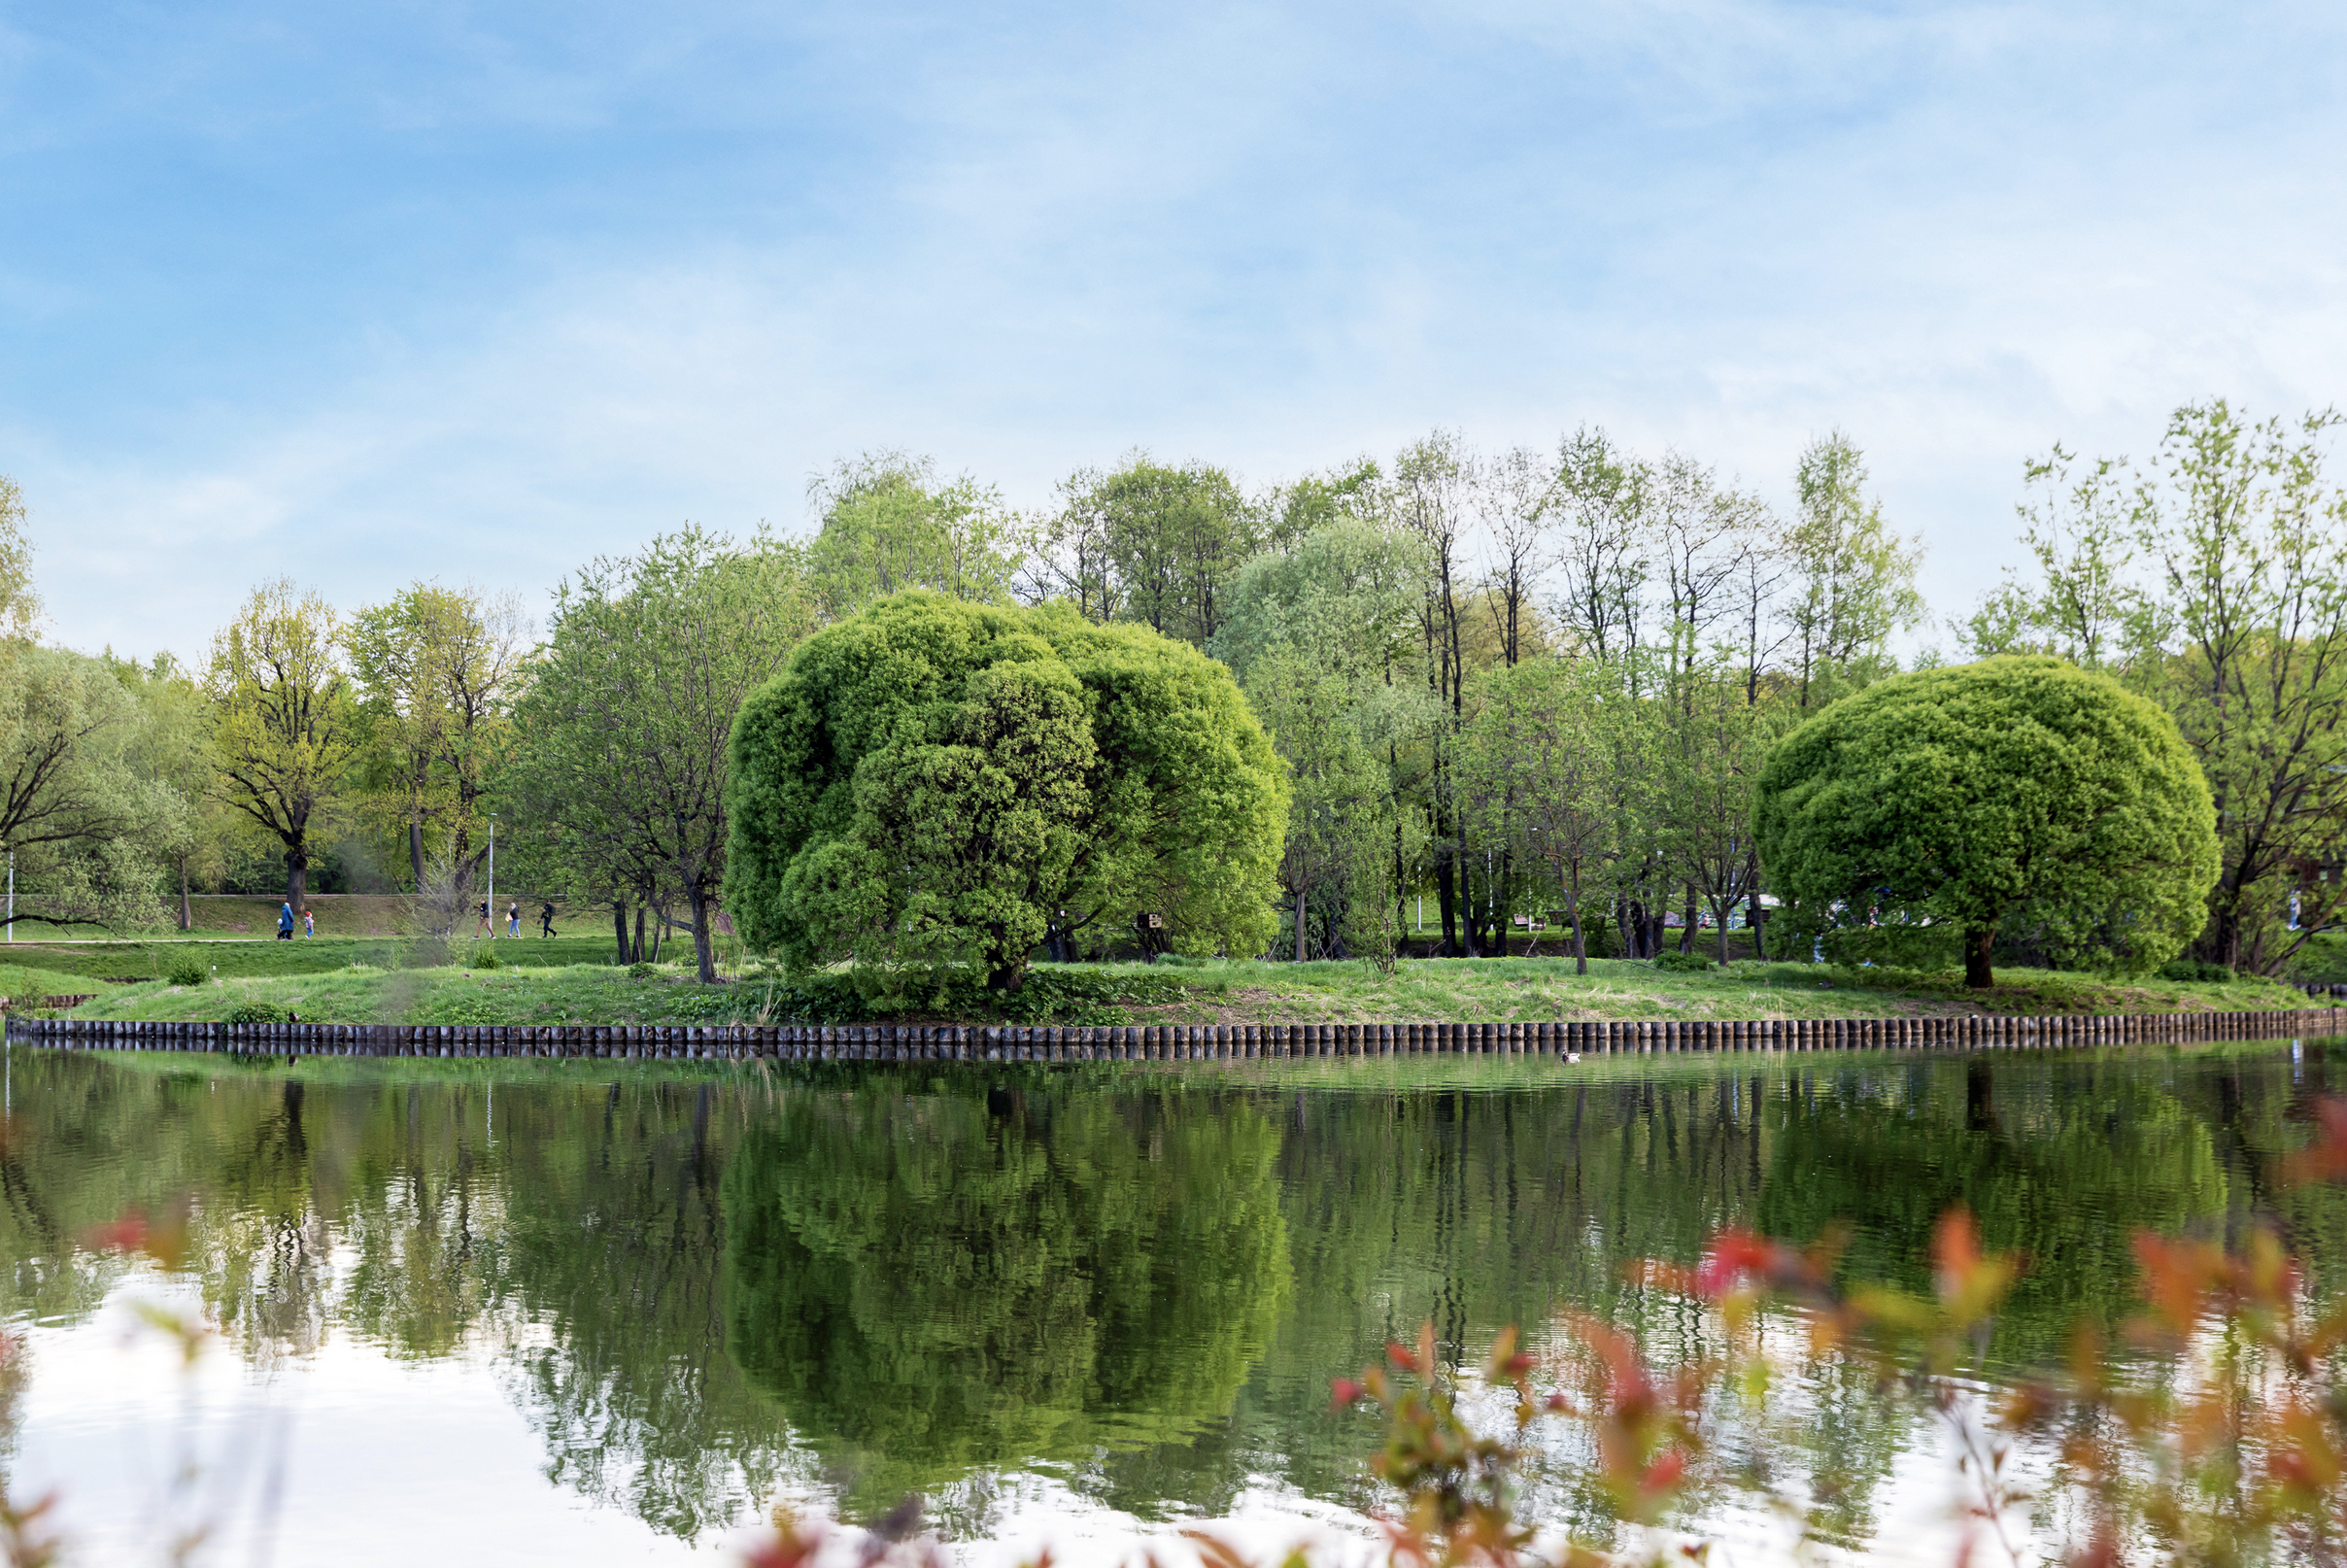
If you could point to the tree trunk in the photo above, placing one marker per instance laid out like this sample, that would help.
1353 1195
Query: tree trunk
1445 894
619 926
702 957
297 878
1977 938
1720 913
187 911
415 852
1299 922
1581 948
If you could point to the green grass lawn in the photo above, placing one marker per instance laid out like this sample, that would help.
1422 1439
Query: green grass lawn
249 957
1455 989
1506 989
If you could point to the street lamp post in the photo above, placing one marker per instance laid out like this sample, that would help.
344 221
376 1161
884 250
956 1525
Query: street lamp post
493 876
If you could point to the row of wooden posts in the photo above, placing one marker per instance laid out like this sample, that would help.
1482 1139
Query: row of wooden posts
1083 1043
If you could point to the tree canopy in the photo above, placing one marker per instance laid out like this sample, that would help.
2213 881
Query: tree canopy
940 786
2019 789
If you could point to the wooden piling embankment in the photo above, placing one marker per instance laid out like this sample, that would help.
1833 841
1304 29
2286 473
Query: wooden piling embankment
1158 1043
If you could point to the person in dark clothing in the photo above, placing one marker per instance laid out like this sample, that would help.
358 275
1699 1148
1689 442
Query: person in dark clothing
284 922
546 921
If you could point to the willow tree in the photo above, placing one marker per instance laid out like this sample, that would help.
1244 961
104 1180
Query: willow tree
939 787
2017 791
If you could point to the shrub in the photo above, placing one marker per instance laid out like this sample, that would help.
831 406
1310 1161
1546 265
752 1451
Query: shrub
642 971
2195 971
186 969
486 958
255 1011
1683 963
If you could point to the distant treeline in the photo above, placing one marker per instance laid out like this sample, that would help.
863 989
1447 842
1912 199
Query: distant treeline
1503 683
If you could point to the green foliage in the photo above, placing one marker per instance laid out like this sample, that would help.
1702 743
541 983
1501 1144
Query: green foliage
888 524
1672 962
1053 994
2196 971
933 786
2017 791
286 728
642 971
188 969
1855 578
253 1010
1004 1286
621 773
2236 622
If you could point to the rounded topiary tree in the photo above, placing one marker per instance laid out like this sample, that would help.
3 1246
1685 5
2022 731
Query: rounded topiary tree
2014 791
944 785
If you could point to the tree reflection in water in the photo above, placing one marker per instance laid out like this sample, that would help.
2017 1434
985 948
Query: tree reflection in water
698 1289
937 1282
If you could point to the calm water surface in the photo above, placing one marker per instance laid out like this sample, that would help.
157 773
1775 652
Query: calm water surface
587 1319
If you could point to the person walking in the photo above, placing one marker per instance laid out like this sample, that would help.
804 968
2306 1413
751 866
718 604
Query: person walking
284 922
512 918
484 931
309 925
546 919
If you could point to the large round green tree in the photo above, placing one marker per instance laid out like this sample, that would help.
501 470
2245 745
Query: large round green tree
2017 791
939 785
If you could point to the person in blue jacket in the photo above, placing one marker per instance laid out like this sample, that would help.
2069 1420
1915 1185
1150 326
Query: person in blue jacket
284 922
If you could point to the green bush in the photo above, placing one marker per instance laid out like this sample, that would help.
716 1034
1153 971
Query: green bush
642 971
188 969
256 1012
1051 994
1684 962
485 958
2195 971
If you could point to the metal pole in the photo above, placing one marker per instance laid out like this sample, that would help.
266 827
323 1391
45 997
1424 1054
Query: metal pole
493 876
12 894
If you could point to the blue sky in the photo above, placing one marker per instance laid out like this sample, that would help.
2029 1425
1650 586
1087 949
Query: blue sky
363 295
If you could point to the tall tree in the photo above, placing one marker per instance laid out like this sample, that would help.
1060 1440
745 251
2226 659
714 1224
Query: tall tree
2248 538
171 746
1513 499
888 523
1854 577
438 670
1169 537
285 728
1324 639
629 711
1602 497
1430 497
2086 605
1556 737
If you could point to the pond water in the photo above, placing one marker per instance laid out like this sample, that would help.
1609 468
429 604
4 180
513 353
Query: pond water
580 1316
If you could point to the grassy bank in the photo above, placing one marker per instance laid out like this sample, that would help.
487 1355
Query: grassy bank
246 956
1457 989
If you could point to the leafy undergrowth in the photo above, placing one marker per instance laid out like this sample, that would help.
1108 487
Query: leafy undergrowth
1458 989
